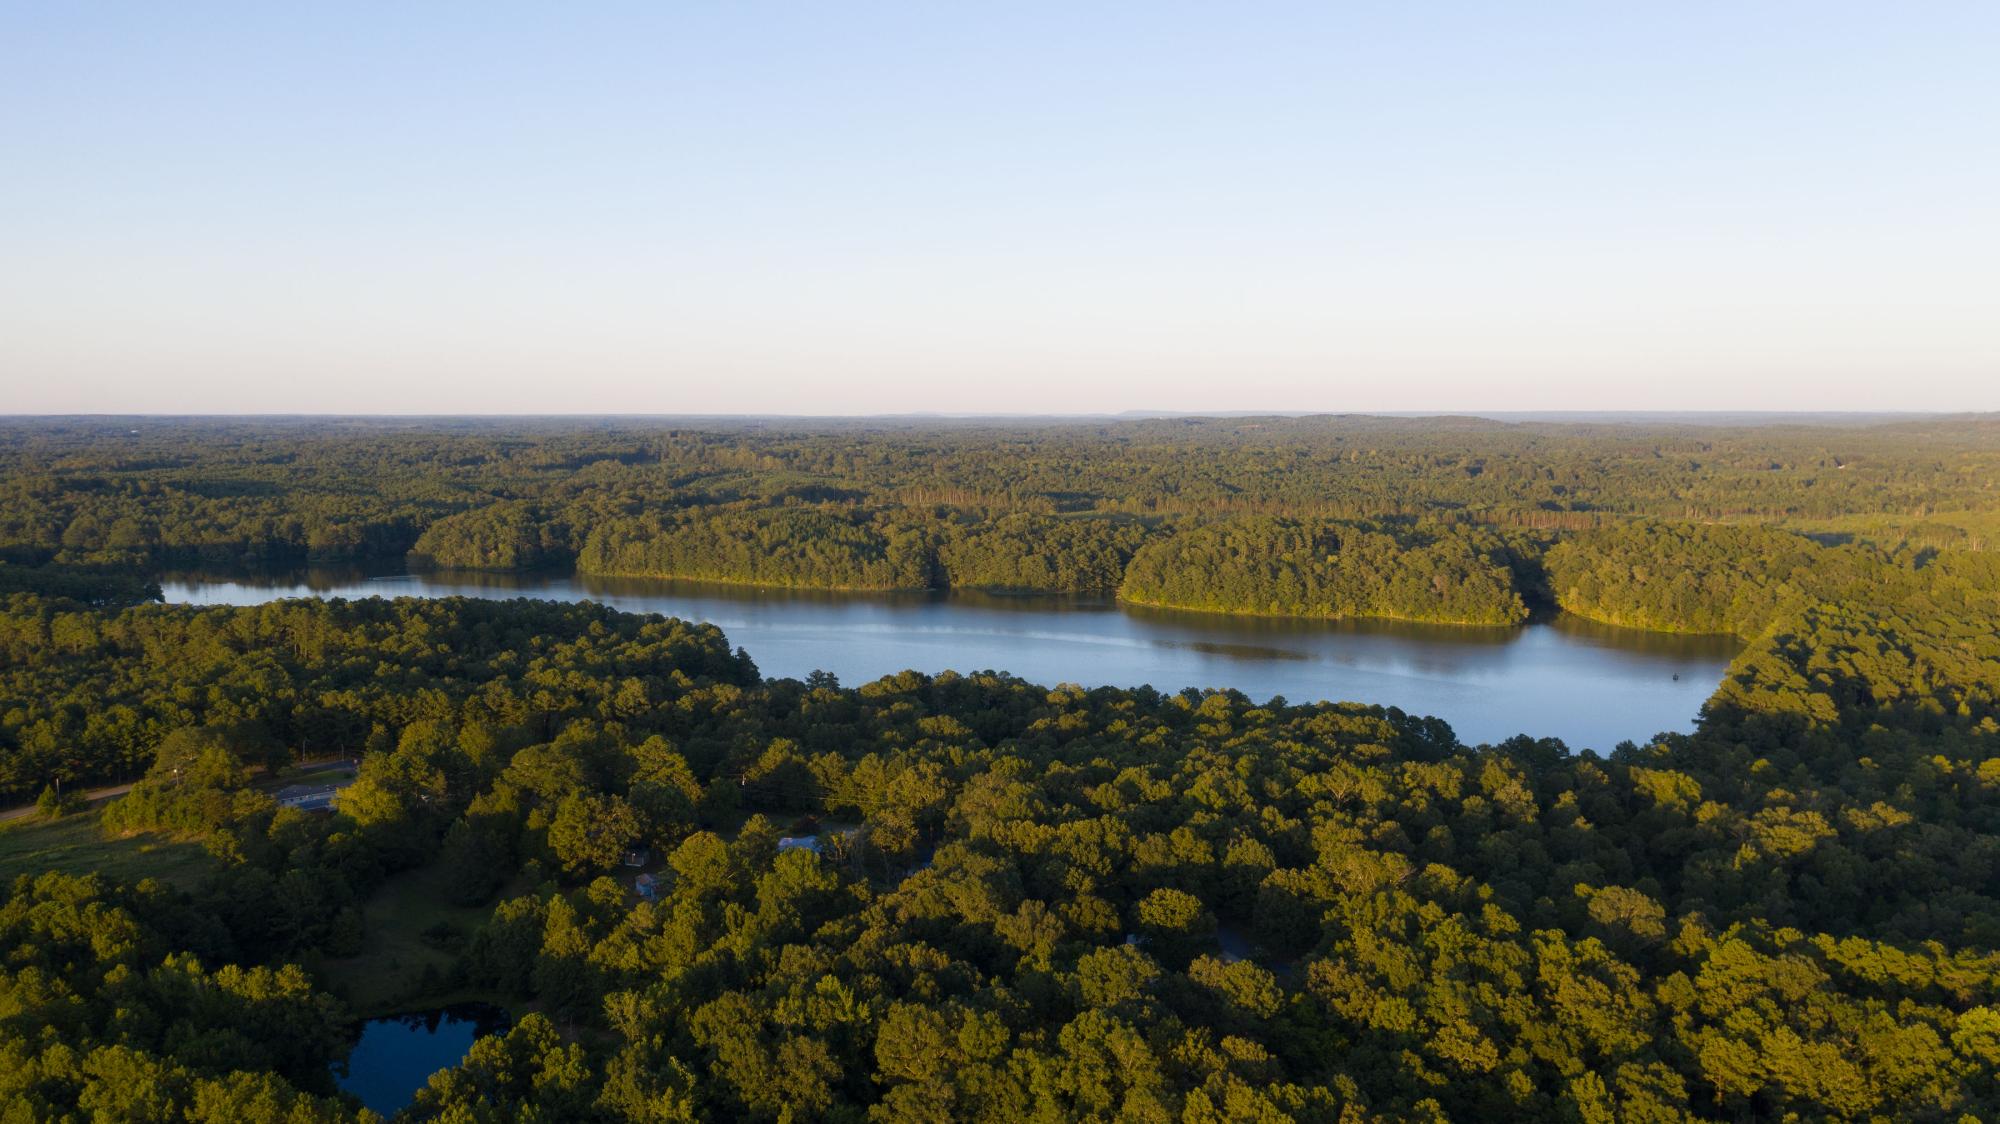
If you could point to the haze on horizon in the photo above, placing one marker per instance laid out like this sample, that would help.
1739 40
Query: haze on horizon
1028 209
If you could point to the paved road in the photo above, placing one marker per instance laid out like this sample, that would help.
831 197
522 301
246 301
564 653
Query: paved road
109 791
94 795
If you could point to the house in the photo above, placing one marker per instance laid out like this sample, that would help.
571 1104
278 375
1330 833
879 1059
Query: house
647 886
829 835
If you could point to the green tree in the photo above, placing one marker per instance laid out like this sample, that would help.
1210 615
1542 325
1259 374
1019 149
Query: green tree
590 832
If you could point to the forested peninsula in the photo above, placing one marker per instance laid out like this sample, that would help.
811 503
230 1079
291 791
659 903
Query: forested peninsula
1022 901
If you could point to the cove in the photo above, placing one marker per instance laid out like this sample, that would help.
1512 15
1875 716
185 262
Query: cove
1591 685
394 1056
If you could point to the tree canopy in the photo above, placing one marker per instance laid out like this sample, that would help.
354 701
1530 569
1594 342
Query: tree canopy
940 896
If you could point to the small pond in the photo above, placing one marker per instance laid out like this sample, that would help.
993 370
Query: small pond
394 1056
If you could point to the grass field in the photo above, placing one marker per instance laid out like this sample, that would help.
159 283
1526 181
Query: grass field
386 978
72 845
331 773
389 975
1958 530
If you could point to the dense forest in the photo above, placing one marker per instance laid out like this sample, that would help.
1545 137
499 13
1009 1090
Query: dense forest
1282 567
1026 902
1053 506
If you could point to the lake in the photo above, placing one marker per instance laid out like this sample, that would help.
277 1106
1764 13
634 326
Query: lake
1590 685
393 1057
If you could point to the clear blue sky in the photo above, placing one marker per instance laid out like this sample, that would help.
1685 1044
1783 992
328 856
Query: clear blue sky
853 208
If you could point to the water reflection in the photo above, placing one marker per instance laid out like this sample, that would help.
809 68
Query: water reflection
394 1056
1589 684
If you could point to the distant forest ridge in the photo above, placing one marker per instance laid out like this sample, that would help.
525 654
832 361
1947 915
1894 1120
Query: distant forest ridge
1633 417
1448 520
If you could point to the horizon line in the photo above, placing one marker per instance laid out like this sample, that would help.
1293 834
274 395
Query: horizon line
944 415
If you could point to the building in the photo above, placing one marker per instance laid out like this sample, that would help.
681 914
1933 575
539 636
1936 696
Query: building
647 886
829 840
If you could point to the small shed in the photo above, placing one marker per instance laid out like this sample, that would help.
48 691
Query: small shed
637 856
647 886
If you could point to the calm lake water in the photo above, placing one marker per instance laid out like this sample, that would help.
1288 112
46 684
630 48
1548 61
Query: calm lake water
1588 684
394 1057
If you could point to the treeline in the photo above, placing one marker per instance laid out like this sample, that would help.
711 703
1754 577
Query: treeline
827 546
1922 654
507 535
99 587
1249 564
90 696
510 494
786 546
1715 579
1038 553
1035 903
1434 520
1282 567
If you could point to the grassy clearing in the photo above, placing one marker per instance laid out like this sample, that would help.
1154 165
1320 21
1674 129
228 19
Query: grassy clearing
1954 530
333 773
390 974
388 977
73 845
